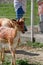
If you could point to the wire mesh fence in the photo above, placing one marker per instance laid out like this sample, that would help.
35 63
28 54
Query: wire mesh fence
7 10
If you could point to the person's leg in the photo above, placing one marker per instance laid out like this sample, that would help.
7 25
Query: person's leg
41 23
19 14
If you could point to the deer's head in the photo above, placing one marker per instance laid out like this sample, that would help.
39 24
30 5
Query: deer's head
19 24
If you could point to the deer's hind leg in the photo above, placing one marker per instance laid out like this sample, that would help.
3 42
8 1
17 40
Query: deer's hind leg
2 54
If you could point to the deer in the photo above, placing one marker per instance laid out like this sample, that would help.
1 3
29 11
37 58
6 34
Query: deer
8 22
10 34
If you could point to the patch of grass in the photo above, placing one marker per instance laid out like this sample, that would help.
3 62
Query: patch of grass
20 62
6 63
25 62
35 44
7 10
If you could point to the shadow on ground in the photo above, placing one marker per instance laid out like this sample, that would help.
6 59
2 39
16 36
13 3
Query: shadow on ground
24 52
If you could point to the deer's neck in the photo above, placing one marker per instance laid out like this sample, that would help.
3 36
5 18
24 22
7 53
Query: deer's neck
15 31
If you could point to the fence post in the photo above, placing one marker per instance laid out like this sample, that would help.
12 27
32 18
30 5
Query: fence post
32 21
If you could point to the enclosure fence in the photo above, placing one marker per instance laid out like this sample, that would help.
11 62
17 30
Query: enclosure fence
7 10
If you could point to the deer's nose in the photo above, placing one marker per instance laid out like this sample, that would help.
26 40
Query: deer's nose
23 32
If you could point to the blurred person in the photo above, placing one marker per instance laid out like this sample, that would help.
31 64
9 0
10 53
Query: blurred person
40 13
20 9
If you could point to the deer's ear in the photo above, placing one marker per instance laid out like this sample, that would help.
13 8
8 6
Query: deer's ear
13 20
17 21
22 20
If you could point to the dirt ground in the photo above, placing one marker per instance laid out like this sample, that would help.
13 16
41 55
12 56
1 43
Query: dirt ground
33 55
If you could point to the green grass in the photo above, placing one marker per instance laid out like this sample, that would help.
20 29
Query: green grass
24 62
7 10
35 44
20 62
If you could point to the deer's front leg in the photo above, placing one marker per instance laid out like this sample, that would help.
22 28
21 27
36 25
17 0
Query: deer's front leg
18 43
12 50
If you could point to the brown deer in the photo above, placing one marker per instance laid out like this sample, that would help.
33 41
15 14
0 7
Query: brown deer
11 35
8 22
